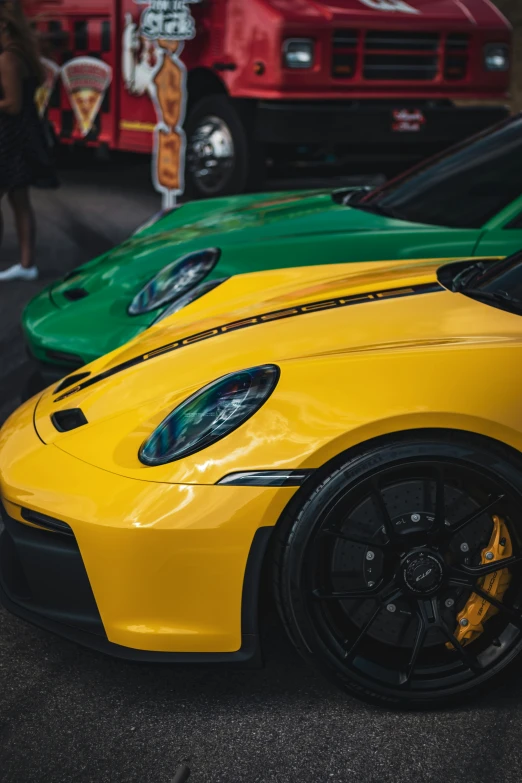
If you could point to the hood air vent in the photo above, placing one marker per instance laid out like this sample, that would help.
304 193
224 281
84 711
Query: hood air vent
71 380
74 294
68 420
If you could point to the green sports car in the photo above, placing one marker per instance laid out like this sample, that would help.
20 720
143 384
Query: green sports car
465 202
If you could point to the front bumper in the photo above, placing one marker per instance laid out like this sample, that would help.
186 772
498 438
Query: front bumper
370 124
148 571
61 340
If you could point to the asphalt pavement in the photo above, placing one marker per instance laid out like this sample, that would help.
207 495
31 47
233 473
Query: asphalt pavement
68 714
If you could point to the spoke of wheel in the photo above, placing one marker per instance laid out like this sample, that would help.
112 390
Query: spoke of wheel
331 532
474 515
345 595
384 594
380 505
467 575
440 501
464 655
352 651
420 638
426 494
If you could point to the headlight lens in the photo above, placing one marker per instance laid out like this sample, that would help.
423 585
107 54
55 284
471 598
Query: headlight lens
196 293
175 280
298 53
496 57
210 414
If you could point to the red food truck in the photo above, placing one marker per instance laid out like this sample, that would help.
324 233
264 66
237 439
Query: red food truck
280 79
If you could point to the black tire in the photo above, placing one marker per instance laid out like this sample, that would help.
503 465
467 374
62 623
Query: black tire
306 555
246 165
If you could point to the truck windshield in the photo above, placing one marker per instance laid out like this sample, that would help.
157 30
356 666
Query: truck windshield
462 188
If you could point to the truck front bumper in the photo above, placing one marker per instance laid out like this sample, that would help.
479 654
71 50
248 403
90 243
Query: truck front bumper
380 125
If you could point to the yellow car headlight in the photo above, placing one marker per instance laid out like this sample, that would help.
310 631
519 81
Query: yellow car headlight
210 414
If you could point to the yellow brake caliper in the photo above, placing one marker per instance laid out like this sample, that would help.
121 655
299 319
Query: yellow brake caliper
477 610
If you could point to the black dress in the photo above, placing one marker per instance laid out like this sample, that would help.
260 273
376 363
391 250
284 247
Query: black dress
24 153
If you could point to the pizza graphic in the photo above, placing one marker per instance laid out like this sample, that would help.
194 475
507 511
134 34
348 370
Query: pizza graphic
44 92
86 81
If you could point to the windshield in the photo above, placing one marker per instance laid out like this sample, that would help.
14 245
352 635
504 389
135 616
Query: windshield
462 188
501 277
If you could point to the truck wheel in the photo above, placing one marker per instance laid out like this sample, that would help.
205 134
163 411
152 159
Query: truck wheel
219 156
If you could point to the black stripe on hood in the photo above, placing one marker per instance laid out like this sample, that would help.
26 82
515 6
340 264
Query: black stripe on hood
256 320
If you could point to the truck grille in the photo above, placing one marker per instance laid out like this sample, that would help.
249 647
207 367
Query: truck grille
394 55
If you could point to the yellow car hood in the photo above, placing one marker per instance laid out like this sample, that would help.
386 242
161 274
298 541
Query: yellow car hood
293 318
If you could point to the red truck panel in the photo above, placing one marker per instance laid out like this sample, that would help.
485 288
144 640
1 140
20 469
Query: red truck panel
433 52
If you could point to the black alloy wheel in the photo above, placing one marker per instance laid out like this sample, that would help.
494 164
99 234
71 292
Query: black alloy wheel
375 565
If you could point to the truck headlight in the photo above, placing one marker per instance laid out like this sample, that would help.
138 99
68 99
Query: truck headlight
174 280
496 57
298 53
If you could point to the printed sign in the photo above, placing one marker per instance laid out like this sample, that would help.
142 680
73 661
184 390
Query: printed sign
152 64
86 81
408 120
44 92
169 19
390 5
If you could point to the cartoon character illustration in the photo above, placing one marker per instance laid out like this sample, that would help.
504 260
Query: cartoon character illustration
151 64
139 60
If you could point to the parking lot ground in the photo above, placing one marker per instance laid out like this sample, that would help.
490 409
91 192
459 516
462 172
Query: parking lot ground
67 714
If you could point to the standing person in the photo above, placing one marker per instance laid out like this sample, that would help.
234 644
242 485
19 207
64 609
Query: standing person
24 156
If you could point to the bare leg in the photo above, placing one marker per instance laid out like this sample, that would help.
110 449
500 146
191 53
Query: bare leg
25 224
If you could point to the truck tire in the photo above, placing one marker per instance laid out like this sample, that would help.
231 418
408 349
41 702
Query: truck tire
220 158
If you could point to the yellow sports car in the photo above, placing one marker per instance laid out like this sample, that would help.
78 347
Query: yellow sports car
357 428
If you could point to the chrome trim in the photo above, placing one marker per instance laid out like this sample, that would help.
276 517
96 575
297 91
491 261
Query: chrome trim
266 478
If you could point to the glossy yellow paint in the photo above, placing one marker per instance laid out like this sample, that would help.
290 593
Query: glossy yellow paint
346 375
165 549
166 562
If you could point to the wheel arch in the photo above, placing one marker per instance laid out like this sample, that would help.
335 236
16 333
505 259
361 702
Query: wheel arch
367 437
482 450
352 444
202 82
404 425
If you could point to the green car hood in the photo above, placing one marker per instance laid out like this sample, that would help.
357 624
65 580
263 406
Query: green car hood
244 229
85 315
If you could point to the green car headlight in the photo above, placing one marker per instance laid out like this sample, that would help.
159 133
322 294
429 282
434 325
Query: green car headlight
210 414
196 293
175 280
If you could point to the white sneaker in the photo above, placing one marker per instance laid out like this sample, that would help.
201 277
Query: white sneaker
19 272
